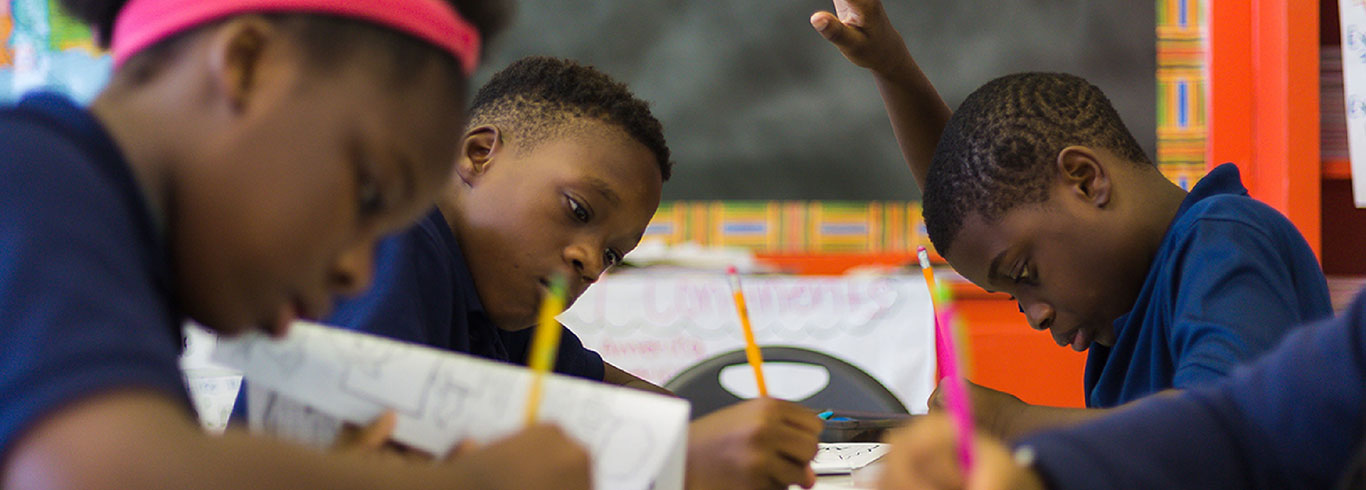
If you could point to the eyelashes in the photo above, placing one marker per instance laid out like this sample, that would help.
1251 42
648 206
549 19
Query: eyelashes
582 214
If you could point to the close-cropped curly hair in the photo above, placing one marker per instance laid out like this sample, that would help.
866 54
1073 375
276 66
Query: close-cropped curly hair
998 150
539 98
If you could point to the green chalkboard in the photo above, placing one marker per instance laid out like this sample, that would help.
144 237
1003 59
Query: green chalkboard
756 105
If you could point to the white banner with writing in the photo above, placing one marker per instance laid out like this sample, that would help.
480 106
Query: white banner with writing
1353 22
655 324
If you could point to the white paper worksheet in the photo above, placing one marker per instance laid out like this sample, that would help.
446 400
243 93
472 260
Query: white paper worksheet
303 383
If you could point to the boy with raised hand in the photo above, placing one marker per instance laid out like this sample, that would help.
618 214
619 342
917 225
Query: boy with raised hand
1036 188
1292 419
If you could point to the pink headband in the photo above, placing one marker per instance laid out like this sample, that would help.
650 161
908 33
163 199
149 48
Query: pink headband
142 23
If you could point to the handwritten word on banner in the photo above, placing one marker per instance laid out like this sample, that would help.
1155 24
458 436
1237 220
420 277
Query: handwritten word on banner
657 324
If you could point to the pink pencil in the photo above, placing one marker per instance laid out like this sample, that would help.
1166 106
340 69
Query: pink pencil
956 390
928 273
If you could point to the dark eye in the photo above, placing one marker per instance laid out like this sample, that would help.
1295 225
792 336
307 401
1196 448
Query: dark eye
369 199
1023 274
580 212
611 258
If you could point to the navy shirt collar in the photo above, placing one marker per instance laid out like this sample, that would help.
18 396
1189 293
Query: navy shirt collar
484 337
1224 179
460 270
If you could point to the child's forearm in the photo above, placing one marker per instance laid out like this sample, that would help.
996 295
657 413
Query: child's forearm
141 439
616 376
1032 418
917 113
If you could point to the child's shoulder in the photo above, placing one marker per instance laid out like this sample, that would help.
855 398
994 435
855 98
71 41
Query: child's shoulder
47 142
1234 213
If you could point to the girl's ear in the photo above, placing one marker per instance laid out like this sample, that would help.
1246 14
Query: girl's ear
243 61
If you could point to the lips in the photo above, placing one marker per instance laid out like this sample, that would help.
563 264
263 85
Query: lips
1079 339
572 290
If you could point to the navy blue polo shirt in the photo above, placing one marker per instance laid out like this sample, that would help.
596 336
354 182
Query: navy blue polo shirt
1231 277
85 304
423 292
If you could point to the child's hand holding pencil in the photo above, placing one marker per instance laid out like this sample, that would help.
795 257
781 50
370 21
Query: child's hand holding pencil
925 455
759 443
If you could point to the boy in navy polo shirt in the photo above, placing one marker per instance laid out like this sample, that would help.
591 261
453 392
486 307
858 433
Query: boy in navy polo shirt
1037 189
560 172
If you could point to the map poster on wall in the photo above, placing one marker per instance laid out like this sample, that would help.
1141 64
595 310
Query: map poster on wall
41 48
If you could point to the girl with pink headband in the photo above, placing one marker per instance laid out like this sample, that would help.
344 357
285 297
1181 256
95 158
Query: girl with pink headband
237 172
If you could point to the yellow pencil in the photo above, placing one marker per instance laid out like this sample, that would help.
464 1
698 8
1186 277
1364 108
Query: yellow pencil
545 343
756 358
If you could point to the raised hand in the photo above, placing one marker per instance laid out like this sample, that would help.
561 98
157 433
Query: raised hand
862 32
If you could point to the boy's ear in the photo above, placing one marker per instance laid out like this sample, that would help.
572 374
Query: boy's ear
1085 177
477 152
238 61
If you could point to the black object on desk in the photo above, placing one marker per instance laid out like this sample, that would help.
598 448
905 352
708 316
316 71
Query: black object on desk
848 388
857 426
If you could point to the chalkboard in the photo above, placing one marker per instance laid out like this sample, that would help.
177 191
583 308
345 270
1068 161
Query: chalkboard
756 105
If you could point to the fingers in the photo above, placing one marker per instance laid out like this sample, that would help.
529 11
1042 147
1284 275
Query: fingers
465 447
797 445
795 440
378 431
923 455
832 29
936 402
784 471
372 436
799 417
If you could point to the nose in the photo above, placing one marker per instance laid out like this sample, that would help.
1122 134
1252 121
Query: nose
1039 314
354 269
585 258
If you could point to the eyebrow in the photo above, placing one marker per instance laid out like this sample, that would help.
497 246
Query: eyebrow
604 189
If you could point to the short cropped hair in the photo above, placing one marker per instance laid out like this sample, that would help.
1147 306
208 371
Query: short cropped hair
538 98
998 150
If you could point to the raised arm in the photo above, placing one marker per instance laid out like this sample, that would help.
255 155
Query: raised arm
862 32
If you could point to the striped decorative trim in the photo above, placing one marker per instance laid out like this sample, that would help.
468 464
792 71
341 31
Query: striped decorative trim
793 226
1182 89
